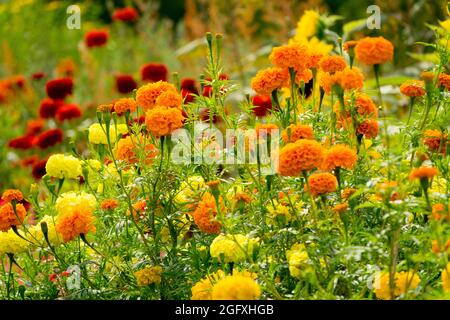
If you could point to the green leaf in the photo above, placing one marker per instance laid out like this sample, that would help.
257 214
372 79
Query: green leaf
353 26
386 81
428 57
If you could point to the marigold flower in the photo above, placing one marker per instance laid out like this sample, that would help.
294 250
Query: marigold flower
49 138
427 76
36 234
321 183
413 88
236 287
139 209
387 190
205 214
72 201
303 75
232 247
189 84
291 55
405 282
146 95
109 204
59 88
169 99
349 46
154 72
381 286
202 290
327 81
302 155
96 38
444 81
123 105
126 14
445 277
269 79
23 142
339 156
261 105
374 50
128 147
436 247
61 166
68 112
38 170
11 243
351 79
296 132
433 138
148 275
297 258
49 107
97 134
340 208
332 64
347 193
12 194
73 223
8 218
423 173
125 83
369 128
439 211
161 121
35 126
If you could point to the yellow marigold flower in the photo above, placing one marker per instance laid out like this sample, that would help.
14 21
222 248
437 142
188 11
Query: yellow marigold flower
147 95
189 189
291 55
12 243
97 135
236 287
374 50
298 259
148 275
202 290
302 155
445 277
413 88
71 201
161 121
381 286
279 210
123 105
296 132
62 166
36 234
232 247
73 223
332 64
405 282
423 173
12 194
339 156
321 183
269 79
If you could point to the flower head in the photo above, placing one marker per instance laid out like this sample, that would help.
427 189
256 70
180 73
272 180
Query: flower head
413 88
72 201
232 247
96 38
126 14
302 155
374 50
146 95
10 217
161 121
321 183
148 275
269 79
125 83
332 64
339 156
73 223
12 194
296 132
205 214
61 166
59 88
154 72
10 242
291 55
123 105
423 173
236 287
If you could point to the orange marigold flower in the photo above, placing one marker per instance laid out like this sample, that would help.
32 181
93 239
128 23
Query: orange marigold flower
332 64
302 155
161 121
205 214
369 128
169 99
314 60
374 50
290 56
438 248
266 129
109 204
340 208
8 218
127 147
147 95
12 194
242 197
432 139
339 156
109 107
125 104
296 132
423 173
269 79
413 88
73 223
327 81
351 79
349 45
347 193
427 76
439 211
304 75
444 81
365 105
138 209
321 183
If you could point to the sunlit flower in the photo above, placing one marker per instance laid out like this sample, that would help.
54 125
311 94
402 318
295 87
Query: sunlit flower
302 155
374 50
62 166
232 247
236 287
148 275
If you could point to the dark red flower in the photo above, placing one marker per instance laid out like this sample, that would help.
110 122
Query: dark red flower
68 112
49 138
262 105
38 170
59 88
189 84
207 91
154 72
18 81
23 142
125 83
29 161
34 126
96 38
48 107
126 14
205 114
187 95
38 75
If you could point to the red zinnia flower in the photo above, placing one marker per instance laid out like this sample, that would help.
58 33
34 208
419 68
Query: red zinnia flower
68 112
49 138
38 170
189 84
262 104
23 142
125 83
38 75
96 38
126 14
154 72
34 126
48 107
59 88
187 95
